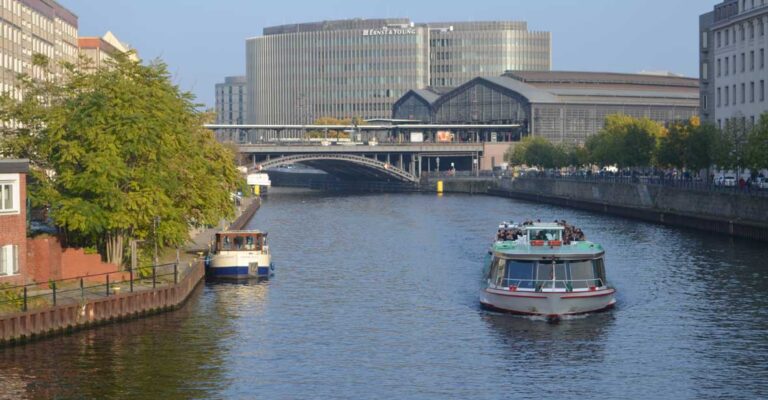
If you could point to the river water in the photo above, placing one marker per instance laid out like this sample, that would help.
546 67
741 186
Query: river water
376 296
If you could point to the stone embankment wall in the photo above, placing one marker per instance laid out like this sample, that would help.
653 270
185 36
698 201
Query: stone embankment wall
247 214
734 214
34 324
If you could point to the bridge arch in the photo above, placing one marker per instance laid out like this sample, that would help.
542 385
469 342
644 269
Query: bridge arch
345 165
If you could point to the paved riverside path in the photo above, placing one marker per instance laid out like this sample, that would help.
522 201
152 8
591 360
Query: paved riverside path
201 239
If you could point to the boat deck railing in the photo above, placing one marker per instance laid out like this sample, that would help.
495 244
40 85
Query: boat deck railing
539 285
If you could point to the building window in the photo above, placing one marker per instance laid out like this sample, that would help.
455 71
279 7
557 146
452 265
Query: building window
751 92
727 96
7 198
704 102
762 90
9 260
727 36
762 58
720 123
743 93
704 39
743 62
719 39
752 60
704 71
718 97
719 67
727 65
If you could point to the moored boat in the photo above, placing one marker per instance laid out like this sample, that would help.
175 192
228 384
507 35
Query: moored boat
240 255
545 269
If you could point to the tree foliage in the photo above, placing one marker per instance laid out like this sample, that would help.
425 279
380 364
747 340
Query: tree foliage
625 141
539 152
114 148
333 133
757 145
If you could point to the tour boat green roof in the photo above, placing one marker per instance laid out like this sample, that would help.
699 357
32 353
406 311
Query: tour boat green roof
510 248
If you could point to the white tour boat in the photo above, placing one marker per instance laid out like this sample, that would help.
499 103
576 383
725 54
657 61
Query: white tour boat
240 255
545 269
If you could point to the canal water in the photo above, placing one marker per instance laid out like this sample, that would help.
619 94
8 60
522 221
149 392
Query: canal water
376 296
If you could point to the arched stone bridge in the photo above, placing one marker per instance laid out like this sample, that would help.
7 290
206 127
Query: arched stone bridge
345 165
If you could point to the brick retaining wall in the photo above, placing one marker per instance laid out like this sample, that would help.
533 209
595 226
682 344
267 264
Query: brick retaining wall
20 327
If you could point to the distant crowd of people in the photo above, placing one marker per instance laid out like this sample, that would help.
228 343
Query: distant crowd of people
571 233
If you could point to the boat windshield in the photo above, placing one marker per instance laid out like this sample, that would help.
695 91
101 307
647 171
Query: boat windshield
545 234
568 275
242 241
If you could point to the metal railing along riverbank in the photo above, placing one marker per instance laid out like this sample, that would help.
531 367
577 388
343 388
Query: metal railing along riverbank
96 302
23 298
682 183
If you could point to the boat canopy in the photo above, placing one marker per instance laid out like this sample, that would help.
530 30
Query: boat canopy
241 241
544 231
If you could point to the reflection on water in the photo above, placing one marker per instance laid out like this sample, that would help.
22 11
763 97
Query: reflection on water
377 296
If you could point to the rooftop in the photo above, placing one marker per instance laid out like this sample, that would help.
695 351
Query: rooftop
14 166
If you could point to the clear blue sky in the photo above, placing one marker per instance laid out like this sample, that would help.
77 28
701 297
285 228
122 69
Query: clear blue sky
204 40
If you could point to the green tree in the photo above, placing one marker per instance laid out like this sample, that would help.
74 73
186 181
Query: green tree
625 141
113 149
577 156
757 145
673 147
537 151
701 148
730 146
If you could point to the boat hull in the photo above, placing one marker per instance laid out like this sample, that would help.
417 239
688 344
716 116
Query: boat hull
548 304
240 265
239 272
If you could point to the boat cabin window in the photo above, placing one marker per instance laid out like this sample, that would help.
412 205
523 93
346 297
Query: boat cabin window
226 243
547 274
551 275
497 272
520 274
251 242
586 273
545 234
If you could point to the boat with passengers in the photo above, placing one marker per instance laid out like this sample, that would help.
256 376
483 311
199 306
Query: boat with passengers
240 255
545 269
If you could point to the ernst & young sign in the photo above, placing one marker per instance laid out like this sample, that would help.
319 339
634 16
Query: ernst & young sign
389 31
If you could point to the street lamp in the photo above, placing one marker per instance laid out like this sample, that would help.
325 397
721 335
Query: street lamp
155 222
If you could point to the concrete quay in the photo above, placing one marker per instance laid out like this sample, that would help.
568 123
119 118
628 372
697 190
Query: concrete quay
730 213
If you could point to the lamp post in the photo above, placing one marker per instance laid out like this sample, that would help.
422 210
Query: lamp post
155 222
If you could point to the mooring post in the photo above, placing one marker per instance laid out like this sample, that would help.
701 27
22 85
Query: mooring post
131 277
107 285
54 292
154 276
175 273
82 290
25 300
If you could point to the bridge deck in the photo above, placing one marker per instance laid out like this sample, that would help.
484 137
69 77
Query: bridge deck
424 148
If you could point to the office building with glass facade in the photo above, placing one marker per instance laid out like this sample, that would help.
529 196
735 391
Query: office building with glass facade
298 73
